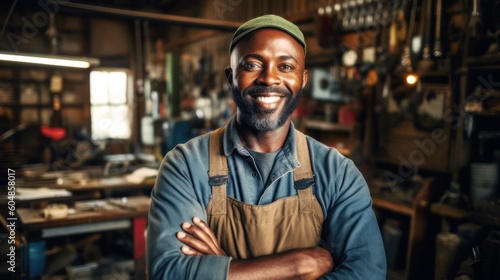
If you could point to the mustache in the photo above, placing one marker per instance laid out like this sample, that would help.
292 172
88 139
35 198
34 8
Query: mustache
262 89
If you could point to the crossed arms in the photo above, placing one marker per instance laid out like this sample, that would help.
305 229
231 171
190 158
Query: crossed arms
308 263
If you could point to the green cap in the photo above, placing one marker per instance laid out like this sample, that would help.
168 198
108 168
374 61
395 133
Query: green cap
268 21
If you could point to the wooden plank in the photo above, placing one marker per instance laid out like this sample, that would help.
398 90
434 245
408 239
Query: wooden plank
392 206
108 184
448 211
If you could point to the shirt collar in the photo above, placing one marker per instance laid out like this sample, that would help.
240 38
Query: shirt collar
231 142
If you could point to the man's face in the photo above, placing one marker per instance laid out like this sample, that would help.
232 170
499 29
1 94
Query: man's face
267 75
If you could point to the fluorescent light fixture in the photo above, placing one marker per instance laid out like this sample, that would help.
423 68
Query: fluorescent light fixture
54 60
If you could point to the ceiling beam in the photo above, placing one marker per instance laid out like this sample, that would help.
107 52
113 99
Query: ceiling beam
221 25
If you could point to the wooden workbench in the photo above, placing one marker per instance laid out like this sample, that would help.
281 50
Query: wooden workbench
90 189
111 218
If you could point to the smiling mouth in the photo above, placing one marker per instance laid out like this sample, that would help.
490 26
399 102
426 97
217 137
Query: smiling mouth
267 99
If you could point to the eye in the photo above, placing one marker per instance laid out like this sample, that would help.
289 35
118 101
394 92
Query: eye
250 66
286 67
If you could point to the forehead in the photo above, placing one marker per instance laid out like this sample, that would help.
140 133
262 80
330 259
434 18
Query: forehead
268 42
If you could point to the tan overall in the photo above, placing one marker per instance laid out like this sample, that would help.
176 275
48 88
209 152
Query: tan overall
248 231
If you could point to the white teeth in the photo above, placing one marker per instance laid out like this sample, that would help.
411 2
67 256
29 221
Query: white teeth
267 99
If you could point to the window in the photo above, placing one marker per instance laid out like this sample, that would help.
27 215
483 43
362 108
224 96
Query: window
108 105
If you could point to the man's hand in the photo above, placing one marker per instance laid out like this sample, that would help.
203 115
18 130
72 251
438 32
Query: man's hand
200 241
306 263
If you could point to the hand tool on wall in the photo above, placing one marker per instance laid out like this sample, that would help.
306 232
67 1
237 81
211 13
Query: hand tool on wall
393 41
362 14
346 15
370 13
401 23
399 27
378 13
438 50
406 60
475 31
384 59
353 20
426 63
426 55
418 40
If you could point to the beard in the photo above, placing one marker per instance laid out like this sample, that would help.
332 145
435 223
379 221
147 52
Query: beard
260 119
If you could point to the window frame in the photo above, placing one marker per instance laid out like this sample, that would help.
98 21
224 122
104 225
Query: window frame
128 102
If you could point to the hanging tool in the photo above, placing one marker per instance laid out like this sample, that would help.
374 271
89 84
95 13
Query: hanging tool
418 40
475 31
406 60
385 59
426 63
427 47
438 51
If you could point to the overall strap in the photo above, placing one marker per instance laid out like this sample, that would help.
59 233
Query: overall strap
218 172
219 200
218 161
305 169
303 176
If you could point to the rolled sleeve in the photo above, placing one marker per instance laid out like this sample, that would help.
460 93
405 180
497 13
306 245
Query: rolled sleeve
174 201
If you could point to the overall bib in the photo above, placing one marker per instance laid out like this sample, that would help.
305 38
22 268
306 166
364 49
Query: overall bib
248 231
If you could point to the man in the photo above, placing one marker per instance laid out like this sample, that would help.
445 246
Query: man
257 199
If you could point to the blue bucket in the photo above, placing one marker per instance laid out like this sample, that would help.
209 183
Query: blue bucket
36 258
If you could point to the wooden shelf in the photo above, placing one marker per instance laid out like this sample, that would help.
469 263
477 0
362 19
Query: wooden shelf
26 81
402 208
431 74
329 126
39 103
484 60
343 137
449 211
18 105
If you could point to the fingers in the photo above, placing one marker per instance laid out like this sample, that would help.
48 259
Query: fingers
195 243
200 238
190 251
202 232
207 230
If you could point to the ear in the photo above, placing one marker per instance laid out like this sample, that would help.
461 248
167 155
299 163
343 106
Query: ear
305 76
229 74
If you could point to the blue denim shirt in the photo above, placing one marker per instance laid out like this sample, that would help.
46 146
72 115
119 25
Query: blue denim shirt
181 192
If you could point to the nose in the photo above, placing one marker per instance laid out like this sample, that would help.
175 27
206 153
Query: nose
269 77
